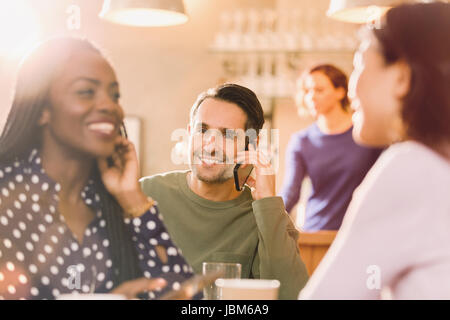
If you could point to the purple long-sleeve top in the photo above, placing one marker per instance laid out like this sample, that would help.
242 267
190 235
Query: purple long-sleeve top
335 164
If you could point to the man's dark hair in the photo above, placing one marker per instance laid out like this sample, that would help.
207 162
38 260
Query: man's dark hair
243 97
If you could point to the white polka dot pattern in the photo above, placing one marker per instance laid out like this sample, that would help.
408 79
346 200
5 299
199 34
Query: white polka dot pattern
41 259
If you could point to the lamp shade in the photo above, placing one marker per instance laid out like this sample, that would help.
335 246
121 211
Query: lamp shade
360 11
144 13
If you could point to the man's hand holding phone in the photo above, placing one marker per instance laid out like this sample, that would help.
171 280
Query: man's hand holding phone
263 185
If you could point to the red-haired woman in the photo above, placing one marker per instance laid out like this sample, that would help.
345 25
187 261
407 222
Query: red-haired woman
325 152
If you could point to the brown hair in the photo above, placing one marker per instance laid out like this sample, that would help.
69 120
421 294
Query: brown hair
243 97
419 35
337 78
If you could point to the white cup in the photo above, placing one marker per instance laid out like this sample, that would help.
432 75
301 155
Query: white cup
248 289
91 296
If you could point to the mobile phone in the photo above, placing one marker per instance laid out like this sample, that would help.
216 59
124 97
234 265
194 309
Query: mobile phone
192 286
123 133
241 174
123 130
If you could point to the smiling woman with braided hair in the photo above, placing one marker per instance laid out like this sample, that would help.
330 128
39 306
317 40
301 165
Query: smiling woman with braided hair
70 200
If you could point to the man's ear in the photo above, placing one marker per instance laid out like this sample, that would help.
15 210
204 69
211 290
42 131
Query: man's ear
44 118
403 79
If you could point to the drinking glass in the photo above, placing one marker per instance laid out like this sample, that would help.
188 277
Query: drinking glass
227 270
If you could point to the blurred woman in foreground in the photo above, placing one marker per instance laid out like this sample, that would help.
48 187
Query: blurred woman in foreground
395 240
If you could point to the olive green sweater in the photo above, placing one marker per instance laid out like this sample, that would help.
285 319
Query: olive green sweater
257 234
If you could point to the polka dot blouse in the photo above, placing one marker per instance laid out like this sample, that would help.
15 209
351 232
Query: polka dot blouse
41 259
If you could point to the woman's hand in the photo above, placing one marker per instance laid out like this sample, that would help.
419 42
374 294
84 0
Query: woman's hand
264 184
121 176
132 288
